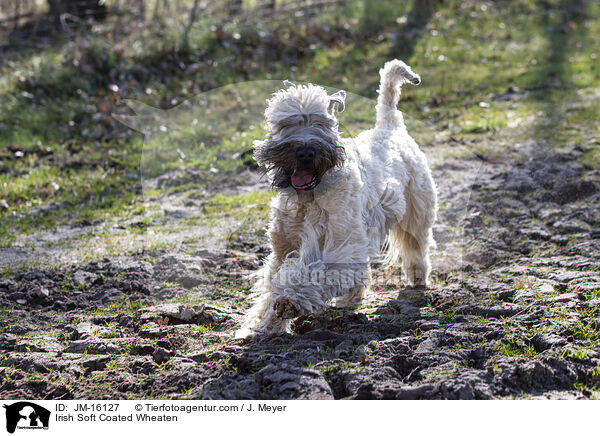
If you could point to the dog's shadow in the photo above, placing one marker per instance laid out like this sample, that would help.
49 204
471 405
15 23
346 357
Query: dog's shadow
327 342
406 305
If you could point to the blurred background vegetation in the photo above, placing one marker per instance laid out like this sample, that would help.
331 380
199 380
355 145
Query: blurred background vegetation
495 73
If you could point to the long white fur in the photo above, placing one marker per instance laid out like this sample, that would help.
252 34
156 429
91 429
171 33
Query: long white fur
351 216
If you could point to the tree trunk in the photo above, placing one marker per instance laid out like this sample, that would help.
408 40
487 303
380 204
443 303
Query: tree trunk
79 8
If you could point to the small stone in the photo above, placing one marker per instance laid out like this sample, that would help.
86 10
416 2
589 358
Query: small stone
84 278
542 342
7 341
84 330
138 265
536 234
95 363
7 285
97 346
176 313
42 292
161 355
190 281
18 296
292 382
428 346
564 298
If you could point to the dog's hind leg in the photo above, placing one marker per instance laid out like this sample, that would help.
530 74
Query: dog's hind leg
411 238
414 253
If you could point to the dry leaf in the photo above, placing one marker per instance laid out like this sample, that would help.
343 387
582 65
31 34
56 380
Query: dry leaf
104 106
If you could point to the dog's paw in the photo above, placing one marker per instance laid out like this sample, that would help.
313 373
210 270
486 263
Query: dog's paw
287 308
416 277
244 333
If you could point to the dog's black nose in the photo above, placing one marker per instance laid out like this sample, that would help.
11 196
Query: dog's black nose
305 153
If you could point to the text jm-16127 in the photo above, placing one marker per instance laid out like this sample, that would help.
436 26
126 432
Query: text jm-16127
101 407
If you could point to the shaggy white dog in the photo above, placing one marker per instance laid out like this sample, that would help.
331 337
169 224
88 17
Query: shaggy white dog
342 201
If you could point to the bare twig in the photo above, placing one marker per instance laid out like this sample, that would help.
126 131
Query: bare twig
188 27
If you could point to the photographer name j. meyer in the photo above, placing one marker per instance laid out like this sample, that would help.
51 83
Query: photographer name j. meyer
147 412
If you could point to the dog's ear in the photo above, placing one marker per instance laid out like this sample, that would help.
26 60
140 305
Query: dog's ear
337 102
258 143
288 84
258 149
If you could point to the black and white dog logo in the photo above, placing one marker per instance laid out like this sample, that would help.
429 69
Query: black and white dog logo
26 415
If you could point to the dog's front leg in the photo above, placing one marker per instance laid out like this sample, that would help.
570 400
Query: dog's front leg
262 316
325 268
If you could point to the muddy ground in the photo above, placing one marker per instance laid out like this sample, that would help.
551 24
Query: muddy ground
512 311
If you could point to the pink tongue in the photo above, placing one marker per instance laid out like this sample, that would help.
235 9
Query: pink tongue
301 178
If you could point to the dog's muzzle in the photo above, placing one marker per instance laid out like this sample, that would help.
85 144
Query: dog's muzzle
303 178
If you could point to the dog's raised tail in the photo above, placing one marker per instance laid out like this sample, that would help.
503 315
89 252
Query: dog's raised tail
393 75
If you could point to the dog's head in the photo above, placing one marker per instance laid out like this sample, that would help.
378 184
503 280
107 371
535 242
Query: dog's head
303 141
